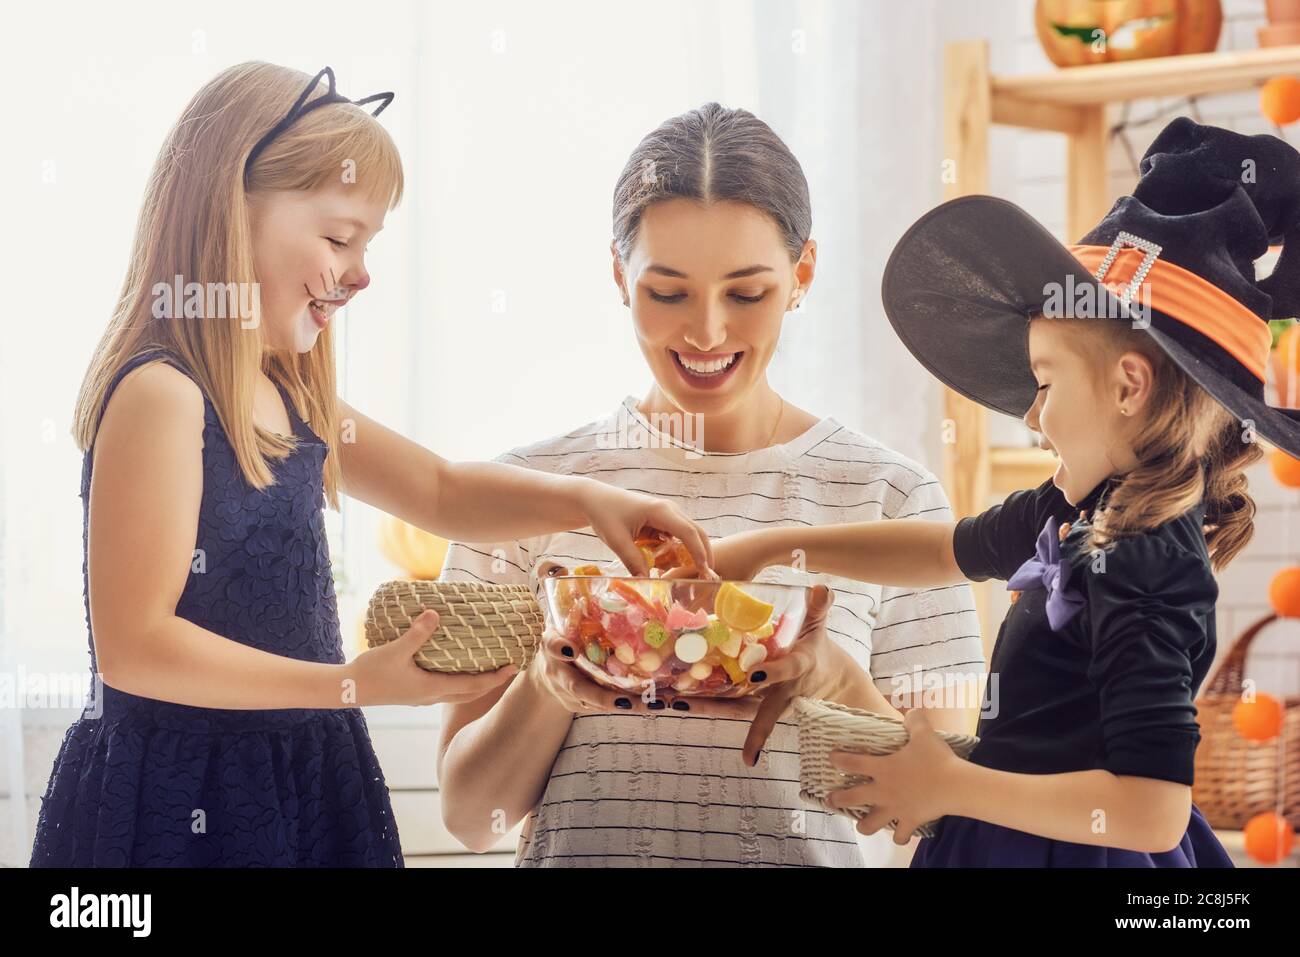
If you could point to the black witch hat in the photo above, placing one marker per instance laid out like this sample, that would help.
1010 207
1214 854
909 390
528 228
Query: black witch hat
1176 258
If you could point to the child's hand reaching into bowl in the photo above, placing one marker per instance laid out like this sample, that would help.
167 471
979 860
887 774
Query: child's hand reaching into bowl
738 557
621 519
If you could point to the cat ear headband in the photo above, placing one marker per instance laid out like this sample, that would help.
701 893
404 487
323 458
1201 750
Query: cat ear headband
301 107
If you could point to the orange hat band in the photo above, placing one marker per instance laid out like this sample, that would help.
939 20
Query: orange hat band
1186 297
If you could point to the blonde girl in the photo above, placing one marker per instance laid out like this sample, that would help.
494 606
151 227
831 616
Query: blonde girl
226 728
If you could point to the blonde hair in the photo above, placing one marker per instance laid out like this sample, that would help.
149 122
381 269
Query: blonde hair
195 223
1188 447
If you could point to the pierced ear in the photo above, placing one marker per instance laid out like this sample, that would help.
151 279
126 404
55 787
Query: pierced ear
1138 378
805 268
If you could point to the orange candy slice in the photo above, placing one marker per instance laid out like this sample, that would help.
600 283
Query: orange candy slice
739 609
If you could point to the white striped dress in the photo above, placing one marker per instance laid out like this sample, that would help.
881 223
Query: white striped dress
671 789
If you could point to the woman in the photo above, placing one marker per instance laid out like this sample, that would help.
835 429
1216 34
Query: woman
711 249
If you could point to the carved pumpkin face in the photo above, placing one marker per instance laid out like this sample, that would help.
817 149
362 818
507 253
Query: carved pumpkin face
1077 32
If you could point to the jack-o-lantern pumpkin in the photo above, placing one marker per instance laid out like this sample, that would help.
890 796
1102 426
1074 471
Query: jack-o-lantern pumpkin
1077 32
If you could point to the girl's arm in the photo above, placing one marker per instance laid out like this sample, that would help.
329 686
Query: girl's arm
910 552
916 553
490 501
924 781
472 502
146 487
1084 807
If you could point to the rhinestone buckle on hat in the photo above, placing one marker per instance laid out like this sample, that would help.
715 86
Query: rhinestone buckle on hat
1149 250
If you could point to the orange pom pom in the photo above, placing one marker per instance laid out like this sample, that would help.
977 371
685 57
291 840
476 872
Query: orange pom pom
1269 837
1279 100
1258 720
1284 593
1286 469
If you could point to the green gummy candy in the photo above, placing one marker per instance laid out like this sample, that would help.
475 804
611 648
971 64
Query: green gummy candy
655 634
717 633
595 653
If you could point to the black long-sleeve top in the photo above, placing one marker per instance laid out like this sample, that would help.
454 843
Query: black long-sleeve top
1114 688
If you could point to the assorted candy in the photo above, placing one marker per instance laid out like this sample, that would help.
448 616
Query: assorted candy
632 633
662 551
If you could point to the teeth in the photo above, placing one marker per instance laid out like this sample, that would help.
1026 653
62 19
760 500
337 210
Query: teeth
706 368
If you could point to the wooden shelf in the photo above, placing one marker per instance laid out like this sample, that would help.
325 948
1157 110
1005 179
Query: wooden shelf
1072 101
1019 468
1190 75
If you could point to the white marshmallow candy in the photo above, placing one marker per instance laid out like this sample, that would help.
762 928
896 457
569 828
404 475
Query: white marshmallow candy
751 656
691 647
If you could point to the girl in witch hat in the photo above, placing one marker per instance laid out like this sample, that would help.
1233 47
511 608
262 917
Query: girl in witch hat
1139 355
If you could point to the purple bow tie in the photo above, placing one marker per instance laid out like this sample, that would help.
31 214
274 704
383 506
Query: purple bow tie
1044 571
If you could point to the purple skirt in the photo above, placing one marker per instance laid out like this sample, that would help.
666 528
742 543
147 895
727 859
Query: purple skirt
966 842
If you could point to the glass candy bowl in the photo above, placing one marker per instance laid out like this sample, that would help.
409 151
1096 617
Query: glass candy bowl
681 636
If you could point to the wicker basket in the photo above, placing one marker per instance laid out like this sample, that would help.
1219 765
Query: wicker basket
1235 779
483 627
825 726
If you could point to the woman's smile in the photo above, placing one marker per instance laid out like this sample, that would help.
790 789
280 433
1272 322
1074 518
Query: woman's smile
706 370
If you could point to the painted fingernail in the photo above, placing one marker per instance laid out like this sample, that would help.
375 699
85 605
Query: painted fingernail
681 706
656 705
622 703
566 651
758 676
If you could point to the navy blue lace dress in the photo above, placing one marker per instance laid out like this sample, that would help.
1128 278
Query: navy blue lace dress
140 782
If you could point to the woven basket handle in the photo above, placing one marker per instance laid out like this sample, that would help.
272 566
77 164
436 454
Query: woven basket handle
1227 677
